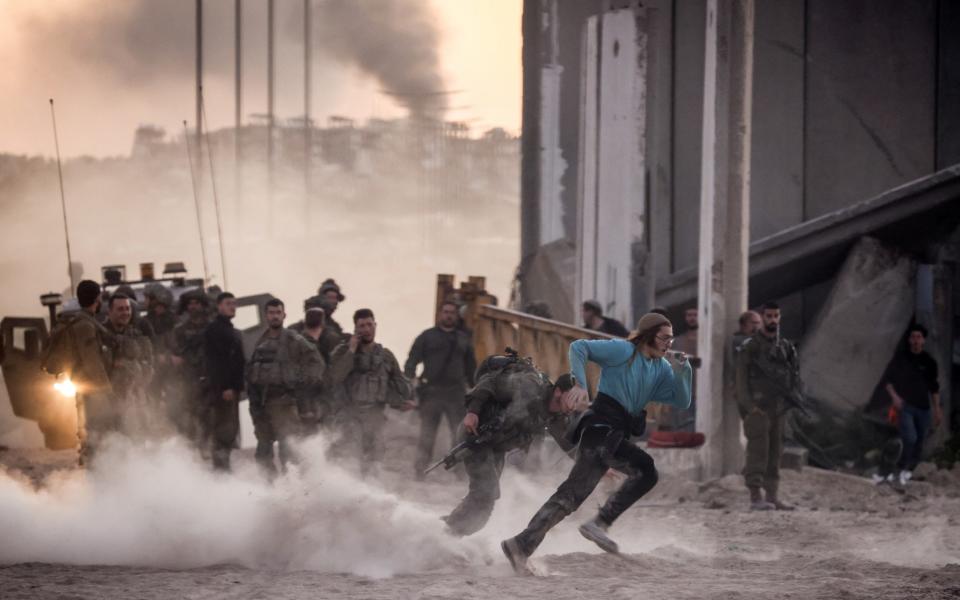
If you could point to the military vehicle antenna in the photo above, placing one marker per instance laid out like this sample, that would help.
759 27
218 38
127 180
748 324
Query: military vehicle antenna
216 198
196 203
63 198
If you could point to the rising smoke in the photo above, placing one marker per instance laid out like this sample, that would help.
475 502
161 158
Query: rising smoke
145 42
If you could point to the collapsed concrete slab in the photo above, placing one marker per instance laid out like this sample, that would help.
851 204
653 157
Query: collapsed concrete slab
844 354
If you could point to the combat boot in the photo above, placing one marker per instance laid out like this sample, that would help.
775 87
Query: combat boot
757 502
515 554
595 530
777 503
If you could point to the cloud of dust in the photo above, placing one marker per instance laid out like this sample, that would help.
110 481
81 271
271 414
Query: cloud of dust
156 504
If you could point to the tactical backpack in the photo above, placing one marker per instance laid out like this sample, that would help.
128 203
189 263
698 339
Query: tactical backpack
510 360
60 355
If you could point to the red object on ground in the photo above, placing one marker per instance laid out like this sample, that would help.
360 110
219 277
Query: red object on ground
675 439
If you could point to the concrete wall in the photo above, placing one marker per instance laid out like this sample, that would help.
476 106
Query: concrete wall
612 151
688 55
871 68
777 158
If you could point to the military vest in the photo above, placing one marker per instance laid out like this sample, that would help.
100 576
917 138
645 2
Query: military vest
772 367
368 382
272 365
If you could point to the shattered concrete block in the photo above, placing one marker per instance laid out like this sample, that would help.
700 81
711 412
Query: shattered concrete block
845 353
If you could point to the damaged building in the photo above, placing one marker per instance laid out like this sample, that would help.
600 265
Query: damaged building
852 170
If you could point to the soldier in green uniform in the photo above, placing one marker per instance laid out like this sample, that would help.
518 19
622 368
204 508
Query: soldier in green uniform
162 320
331 295
131 364
768 378
370 379
88 366
282 365
317 402
517 402
188 408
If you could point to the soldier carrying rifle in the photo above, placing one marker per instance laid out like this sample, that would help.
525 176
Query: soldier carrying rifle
768 383
510 403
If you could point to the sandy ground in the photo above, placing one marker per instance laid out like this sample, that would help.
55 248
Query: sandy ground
155 523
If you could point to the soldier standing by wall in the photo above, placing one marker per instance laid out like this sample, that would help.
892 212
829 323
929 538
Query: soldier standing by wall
131 364
189 407
283 364
371 380
223 353
448 367
768 374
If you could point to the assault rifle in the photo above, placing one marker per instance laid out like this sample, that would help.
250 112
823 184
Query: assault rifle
485 433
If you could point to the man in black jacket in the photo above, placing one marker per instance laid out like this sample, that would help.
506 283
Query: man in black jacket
448 365
223 348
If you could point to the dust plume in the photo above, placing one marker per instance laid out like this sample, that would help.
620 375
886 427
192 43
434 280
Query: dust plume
156 504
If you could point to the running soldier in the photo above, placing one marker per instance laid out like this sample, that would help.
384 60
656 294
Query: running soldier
510 405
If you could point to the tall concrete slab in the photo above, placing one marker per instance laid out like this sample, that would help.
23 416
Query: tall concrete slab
659 137
845 352
776 181
870 98
724 223
689 21
614 125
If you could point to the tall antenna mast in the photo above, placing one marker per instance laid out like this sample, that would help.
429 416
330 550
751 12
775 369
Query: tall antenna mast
199 51
271 86
216 200
196 204
63 198
238 105
307 127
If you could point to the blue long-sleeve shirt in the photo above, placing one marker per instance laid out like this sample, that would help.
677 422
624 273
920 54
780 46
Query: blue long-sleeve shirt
631 383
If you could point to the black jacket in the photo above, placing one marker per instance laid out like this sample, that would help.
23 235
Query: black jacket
223 348
447 357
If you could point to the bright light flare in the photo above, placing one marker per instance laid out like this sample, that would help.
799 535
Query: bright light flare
66 388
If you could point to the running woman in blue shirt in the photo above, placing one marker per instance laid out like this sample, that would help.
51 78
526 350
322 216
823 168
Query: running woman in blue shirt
633 373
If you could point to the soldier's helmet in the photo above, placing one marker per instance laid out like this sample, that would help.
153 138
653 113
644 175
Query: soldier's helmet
331 285
186 297
157 294
314 302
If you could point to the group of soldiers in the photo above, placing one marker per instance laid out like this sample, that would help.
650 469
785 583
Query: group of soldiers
312 376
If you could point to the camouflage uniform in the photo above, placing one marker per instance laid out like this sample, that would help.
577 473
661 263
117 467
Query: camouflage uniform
96 409
369 381
317 403
162 387
190 413
131 371
767 371
519 397
281 367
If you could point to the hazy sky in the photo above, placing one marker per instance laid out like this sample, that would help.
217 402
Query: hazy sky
114 64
